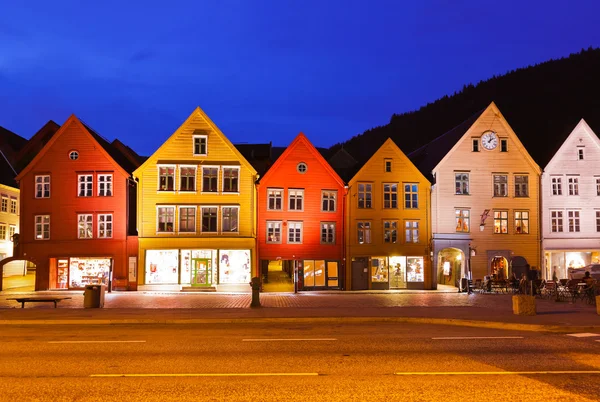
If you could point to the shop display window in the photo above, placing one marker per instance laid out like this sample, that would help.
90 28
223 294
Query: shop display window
162 266
62 274
379 269
234 266
397 268
314 273
414 269
88 271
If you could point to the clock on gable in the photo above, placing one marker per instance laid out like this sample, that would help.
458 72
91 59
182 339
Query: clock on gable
489 140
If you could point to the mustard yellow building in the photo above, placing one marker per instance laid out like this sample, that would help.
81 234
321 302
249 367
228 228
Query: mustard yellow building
388 225
196 212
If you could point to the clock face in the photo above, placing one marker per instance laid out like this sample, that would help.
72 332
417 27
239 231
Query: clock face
489 140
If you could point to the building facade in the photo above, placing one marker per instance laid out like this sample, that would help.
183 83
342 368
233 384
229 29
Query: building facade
571 204
74 212
9 220
301 217
196 212
388 225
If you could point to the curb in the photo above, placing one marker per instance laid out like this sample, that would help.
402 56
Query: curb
407 320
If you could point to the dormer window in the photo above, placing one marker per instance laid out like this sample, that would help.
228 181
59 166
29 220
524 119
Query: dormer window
503 145
200 145
580 153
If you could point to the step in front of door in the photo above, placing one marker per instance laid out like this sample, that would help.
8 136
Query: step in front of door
198 289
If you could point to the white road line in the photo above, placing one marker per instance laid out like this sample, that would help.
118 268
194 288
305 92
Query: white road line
287 339
477 337
209 375
464 373
96 341
583 334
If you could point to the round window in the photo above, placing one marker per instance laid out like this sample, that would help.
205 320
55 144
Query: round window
73 155
302 168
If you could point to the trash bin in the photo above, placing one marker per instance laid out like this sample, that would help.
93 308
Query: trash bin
93 296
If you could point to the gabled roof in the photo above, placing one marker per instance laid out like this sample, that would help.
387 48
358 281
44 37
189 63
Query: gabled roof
11 144
7 173
302 139
581 126
259 155
343 163
213 126
35 144
128 153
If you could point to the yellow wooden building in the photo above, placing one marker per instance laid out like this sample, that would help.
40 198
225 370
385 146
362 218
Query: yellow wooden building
484 200
387 224
196 213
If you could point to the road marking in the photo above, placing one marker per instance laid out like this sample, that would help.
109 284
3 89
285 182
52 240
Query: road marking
478 337
424 373
96 341
583 335
209 375
287 339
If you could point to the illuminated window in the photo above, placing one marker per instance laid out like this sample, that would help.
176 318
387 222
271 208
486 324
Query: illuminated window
411 196
274 199
364 232
42 186
200 145
187 178
105 226
105 185
521 186
328 201
573 185
327 233
187 219
294 232
13 206
501 222
273 232
390 195
4 207
463 220
573 218
597 221
85 226
86 185
2 231
411 231
42 227
557 186
475 145
302 168
500 185
210 179
522 222
556 221
580 153
165 219
390 231
364 195
166 178
229 218
295 200
231 179
209 219
503 145
11 231
388 165
461 183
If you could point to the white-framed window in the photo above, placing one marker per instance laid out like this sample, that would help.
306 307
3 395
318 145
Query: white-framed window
200 145
328 201
461 182
275 199
390 231
390 195
365 195
42 227
573 219
3 232
229 219
411 195
209 219
556 221
85 183
556 185
165 219
573 185
598 186
521 186
302 167
295 232
166 177
500 185
187 219
210 179
501 222
364 232
521 222
463 220
187 178
327 232
273 232
13 206
4 205
85 226
105 226
105 185
411 231
42 186
12 229
597 221
580 153
295 199
231 179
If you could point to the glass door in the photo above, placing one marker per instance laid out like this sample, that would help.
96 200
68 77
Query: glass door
201 272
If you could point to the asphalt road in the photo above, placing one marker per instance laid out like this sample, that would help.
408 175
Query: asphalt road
361 362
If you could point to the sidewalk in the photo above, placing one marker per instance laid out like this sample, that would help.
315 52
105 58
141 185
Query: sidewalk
492 311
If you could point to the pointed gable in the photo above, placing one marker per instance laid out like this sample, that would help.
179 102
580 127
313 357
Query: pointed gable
583 138
35 144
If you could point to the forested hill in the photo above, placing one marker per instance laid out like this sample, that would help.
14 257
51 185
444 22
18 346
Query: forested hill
542 103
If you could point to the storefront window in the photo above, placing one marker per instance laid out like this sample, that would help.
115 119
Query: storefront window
162 266
414 269
62 274
88 271
397 272
314 273
234 266
379 271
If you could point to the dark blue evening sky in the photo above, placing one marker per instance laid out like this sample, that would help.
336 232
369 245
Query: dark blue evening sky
263 70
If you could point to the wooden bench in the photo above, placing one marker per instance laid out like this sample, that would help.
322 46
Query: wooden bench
24 300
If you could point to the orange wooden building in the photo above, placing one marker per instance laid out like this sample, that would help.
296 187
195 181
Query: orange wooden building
77 198
300 220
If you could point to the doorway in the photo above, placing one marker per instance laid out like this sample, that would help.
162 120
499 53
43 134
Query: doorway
279 275
360 273
18 276
450 267
499 268
201 272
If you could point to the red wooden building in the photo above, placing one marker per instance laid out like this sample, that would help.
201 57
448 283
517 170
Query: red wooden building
77 198
300 221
